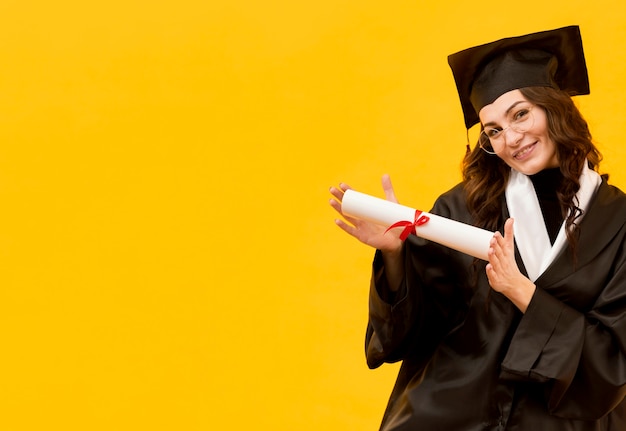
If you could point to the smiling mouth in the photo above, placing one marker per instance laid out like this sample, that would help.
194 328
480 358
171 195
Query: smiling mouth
521 153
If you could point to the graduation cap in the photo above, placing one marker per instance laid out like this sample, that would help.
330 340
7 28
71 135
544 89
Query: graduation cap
552 58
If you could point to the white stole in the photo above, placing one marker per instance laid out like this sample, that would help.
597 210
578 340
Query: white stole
531 235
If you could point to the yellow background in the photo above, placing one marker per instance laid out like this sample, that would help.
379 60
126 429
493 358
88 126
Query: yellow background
168 259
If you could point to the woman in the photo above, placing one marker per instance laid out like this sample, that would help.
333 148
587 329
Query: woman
534 339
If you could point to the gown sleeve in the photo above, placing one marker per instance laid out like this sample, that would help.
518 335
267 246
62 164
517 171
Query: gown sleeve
430 300
579 357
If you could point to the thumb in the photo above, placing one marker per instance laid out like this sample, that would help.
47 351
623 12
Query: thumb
388 188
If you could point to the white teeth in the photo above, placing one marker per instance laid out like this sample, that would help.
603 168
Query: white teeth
524 151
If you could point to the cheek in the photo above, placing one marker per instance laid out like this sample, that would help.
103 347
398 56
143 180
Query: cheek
508 160
541 125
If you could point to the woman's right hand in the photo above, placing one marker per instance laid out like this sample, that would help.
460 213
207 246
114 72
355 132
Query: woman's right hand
367 232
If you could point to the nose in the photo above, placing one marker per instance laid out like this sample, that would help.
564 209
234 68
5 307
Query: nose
512 136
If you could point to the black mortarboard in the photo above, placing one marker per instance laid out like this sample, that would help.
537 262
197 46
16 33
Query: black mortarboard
552 58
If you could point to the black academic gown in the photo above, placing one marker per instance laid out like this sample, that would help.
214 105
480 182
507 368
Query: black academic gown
472 361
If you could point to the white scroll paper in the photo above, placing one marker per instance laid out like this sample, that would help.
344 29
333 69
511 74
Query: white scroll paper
450 233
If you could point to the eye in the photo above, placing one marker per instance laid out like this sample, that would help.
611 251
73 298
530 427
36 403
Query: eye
521 115
492 132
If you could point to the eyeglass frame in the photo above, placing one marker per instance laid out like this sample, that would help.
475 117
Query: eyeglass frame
501 133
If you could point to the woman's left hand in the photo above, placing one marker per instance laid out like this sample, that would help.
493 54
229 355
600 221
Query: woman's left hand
502 270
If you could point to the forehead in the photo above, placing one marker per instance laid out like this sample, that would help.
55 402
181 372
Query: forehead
498 108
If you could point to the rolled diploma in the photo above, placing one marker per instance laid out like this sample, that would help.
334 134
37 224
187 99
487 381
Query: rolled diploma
450 233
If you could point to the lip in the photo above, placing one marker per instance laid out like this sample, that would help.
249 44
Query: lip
525 152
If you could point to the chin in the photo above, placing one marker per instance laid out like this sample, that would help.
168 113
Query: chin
529 168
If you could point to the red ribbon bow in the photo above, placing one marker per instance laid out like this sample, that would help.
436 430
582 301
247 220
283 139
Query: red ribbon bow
409 227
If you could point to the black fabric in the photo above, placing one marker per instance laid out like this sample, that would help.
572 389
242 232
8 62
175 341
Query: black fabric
552 58
472 361
511 70
546 183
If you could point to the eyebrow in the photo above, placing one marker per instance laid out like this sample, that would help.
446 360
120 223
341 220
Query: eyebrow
493 123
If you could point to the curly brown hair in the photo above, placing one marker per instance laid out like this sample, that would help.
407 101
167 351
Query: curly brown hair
485 176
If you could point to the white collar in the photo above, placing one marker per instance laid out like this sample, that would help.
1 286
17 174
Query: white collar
531 235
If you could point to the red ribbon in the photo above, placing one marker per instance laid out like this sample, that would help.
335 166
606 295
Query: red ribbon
409 227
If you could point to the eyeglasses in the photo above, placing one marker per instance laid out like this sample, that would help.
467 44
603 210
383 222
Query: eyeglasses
492 139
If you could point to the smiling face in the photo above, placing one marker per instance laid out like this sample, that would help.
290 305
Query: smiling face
530 151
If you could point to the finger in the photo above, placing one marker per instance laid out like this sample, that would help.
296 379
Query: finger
497 242
344 186
494 260
495 253
346 227
508 231
491 274
388 188
336 205
337 193
506 243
